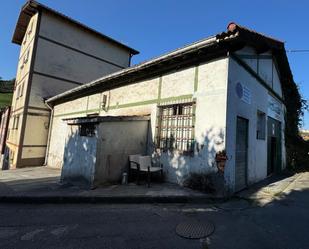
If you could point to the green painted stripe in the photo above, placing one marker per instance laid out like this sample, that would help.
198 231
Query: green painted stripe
181 97
160 88
146 102
139 103
196 78
79 112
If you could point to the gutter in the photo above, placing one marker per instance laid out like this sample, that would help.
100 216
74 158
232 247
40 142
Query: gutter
49 132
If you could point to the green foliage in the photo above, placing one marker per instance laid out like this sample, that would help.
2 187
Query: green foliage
5 99
296 148
6 92
7 86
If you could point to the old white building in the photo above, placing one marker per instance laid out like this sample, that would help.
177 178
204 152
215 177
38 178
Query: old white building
218 96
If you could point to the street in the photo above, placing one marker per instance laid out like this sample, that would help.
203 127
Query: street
281 223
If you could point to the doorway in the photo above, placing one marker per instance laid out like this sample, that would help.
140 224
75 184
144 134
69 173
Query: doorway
273 146
241 153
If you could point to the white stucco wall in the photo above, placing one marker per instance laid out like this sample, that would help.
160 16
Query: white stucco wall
257 149
79 156
142 98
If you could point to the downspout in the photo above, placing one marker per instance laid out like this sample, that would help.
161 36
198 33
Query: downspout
49 132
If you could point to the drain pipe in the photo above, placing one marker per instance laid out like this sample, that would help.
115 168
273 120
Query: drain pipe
49 132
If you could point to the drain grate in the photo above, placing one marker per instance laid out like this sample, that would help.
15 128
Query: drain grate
195 229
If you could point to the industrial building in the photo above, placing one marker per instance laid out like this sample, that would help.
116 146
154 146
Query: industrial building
220 97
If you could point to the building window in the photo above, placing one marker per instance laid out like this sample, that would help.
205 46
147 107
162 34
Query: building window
13 125
16 121
175 129
261 125
30 29
26 58
25 39
87 130
17 92
21 89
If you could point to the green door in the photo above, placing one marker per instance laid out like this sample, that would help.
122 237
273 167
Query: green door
274 148
241 153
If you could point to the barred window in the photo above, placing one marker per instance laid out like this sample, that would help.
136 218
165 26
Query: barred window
175 129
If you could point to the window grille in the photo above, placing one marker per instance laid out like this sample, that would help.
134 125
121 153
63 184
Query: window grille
175 129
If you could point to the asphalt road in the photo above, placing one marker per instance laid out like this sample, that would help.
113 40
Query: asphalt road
282 224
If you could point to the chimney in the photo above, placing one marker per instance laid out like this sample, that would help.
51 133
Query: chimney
231 27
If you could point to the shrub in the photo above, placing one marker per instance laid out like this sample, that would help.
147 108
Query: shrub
200 181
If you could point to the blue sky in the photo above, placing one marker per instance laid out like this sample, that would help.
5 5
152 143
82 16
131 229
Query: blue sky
156 27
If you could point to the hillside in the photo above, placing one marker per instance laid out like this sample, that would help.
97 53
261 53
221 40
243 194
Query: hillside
6 92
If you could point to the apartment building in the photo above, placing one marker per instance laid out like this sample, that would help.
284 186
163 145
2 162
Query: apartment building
57 53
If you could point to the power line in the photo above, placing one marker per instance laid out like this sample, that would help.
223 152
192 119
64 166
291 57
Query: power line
297 51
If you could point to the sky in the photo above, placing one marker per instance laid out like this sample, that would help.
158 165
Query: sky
156 27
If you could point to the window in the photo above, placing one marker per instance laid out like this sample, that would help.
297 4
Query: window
26 58
261 125
17 92
13 125
87 130
16 122
21 89
30 29
175 128
25 39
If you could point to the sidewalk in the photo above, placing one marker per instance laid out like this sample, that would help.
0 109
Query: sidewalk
275 188
41 185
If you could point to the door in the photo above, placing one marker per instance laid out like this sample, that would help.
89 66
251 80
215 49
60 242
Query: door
241 153
273 146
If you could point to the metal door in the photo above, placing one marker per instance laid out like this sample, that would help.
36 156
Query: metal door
274 147
241 153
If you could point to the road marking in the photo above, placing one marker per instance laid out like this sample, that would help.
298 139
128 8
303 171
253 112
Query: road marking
30 235
59 231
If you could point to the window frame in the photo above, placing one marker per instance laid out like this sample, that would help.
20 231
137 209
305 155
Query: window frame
180 123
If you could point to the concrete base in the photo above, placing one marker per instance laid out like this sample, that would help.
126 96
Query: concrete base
42 185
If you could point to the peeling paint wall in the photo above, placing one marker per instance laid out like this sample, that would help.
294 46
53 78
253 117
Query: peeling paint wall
116 141
79 157
205 84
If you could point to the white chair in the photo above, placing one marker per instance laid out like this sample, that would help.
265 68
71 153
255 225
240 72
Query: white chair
147 166
143 164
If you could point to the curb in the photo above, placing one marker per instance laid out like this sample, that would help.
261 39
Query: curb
108 199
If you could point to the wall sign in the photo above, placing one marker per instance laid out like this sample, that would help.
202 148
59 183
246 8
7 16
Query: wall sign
243 92
274 108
